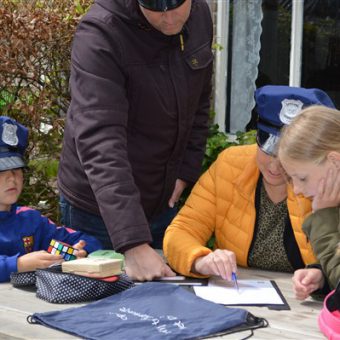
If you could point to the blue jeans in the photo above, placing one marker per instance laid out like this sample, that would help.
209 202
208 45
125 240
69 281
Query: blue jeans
94 225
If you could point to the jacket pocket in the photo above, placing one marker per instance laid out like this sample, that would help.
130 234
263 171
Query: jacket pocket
197 86
200 58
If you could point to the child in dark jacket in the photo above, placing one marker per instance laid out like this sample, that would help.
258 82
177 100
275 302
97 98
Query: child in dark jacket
24 233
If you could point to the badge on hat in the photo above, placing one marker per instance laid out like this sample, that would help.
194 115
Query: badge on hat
9 134
290 109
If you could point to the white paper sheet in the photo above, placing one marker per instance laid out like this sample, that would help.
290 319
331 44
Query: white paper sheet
250 292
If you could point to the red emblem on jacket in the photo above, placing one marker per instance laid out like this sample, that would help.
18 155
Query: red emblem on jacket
28 243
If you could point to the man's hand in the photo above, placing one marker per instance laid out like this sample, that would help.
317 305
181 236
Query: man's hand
80 251
37 259
142 263
306 281
218 263
176 194
328 192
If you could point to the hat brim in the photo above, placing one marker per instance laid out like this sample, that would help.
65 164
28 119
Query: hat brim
272 129
160 5
11 162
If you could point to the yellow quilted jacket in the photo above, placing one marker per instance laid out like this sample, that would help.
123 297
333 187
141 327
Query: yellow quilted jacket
223 202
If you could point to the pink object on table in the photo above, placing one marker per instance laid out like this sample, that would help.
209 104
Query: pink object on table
329 322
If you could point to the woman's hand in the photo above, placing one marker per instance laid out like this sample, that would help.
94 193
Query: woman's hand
306 281
37 259
218 263
180 185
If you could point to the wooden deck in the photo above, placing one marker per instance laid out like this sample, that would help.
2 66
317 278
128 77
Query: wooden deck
298 323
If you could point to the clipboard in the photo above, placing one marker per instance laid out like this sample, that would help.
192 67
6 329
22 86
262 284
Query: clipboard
180 281
258 293
283 306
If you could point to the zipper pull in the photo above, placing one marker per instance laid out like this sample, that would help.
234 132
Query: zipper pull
181 40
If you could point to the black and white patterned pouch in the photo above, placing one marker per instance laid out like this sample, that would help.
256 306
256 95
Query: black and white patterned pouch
57 287
23 279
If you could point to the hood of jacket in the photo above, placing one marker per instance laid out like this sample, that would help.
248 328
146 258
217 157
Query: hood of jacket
129 11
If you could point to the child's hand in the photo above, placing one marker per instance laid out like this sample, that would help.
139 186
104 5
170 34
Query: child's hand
328 192
37 259
80 251
306 281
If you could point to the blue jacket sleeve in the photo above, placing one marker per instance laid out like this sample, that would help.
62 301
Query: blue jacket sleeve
67 235
8 265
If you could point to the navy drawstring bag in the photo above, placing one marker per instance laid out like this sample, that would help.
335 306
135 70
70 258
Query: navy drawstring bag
150 311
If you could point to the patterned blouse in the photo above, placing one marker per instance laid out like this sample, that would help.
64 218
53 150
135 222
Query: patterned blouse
268 251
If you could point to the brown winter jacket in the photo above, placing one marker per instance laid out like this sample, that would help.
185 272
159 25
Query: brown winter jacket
138 115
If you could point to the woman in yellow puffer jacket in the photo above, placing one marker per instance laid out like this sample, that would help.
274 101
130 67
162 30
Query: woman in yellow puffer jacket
244 200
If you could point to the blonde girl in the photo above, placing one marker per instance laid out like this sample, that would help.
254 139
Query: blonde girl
309 151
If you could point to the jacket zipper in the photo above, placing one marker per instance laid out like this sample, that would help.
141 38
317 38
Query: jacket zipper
181 40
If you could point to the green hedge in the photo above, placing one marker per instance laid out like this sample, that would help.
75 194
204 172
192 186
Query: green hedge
35 45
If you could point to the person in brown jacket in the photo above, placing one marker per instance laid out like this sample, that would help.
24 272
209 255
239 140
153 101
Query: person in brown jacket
137 124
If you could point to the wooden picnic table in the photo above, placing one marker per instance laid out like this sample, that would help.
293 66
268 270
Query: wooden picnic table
297 323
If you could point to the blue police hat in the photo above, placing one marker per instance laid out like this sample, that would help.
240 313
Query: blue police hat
13 143
277 106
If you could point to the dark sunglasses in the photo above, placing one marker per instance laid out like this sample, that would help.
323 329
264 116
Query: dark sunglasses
160 5
267 142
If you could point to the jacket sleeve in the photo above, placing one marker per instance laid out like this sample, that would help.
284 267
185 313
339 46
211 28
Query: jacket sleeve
194 153
8 265
48 231
100 113
322 229
192 162
186 237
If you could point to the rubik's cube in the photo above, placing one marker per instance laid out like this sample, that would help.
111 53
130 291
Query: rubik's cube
63 249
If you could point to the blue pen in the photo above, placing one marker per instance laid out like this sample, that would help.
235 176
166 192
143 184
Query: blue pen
234 278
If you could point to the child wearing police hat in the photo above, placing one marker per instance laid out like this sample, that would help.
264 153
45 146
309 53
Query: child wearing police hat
244 200
24 233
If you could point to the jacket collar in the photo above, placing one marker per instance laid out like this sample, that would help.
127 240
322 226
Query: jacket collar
7 214
129 11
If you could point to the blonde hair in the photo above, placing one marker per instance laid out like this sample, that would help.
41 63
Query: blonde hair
311 135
